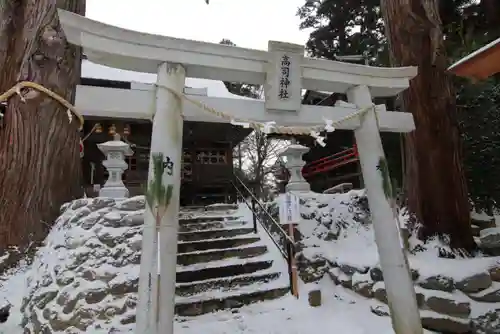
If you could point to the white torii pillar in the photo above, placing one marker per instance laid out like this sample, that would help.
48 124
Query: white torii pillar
398 282
154 313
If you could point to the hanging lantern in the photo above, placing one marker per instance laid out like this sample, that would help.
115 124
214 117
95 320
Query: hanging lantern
112 130
126 130
81 149
98 128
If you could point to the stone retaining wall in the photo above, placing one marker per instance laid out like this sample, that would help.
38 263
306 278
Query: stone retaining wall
445 303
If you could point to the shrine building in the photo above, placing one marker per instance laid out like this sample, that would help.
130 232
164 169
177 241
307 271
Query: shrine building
479 65
207 164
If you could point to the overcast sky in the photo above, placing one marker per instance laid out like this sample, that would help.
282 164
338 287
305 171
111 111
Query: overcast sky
248 23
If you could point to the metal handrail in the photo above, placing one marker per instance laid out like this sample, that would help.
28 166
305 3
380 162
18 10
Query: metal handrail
252 208
289 251
266 213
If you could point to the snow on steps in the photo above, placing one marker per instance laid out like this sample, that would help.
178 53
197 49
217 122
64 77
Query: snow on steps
85 278
225 266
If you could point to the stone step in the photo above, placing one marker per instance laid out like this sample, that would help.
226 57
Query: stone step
224 284
221 207
206 219
191 276
195 308
191 208
210 225
194 246
213 234
220 254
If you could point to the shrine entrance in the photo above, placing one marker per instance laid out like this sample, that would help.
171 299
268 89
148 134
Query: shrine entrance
284 72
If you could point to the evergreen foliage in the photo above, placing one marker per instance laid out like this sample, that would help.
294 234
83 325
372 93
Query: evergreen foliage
158 195
356 27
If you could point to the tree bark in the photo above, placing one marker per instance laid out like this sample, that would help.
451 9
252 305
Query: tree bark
40 167
436 188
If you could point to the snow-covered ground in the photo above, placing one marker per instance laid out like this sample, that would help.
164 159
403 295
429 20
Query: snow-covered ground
335 229
12 289
341 311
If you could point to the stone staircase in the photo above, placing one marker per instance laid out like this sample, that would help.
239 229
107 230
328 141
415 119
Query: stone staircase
222 263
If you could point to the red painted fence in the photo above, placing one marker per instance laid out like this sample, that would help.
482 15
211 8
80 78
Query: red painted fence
331 162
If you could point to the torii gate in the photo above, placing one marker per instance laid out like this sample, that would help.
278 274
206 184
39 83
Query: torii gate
173 59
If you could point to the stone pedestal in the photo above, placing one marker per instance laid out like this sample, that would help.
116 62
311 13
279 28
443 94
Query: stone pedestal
115 152
294 164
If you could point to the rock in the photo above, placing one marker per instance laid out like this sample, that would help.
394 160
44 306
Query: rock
331 235
100 203
475 283
490 295
380 310
490 237
335 274
346 281
136 245
308 215
414 274
495 274
124 287
89 222
363 288
95 296
341 278
448 306
376 274
79 214
379 293
106 238
113 218
488 323
484 223
130 319
82 292
350 269
435 322
132 204
311 270
315 298
438 282
475 230
43 299
133 219
76 204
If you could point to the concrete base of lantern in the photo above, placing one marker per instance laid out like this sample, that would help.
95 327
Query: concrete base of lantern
114 192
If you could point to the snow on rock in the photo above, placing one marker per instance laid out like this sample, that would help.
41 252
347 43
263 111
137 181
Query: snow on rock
86 276
337 241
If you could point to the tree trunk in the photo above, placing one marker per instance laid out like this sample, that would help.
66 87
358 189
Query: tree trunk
40 167
436 187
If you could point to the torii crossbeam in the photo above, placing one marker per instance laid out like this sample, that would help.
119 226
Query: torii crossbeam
284 72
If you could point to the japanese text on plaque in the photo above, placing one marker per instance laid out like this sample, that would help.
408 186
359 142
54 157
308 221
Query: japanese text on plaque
284 78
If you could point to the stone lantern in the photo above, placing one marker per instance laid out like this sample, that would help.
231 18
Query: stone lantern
294 164
115 152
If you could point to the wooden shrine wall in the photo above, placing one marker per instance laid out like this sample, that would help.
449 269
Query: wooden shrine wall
207 161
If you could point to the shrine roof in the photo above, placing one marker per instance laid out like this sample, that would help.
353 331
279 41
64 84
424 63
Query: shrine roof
96 71
480 64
